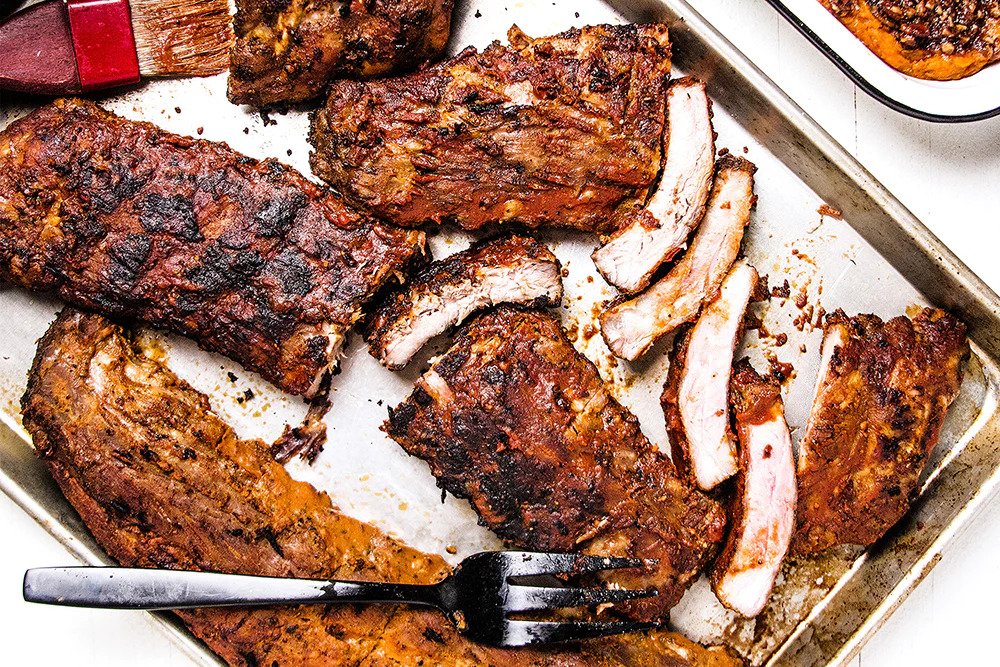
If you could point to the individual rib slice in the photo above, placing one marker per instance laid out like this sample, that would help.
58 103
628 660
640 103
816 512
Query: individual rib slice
632 327
513 418
762 518
161 481
696 395
883 393
512 269
652 235
247 257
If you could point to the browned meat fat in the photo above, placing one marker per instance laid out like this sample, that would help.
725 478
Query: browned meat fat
160 481
883 391
513 418
248 258
557 131
290 50
511 269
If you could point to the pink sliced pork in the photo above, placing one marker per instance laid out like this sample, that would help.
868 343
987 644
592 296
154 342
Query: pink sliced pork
654 234
762 518
510 269
632 327
696 395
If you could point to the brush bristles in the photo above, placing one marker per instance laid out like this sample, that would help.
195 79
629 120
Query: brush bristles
182 37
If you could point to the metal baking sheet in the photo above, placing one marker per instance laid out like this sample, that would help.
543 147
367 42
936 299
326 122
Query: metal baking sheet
875 258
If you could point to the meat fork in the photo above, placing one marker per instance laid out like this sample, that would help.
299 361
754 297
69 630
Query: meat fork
479 596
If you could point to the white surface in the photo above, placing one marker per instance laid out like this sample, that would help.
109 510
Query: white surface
948 176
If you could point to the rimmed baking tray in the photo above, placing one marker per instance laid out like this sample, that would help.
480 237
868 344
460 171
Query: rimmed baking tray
875 257
976 97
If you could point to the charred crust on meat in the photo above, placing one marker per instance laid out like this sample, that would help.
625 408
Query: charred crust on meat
876 419
287 51
249 258
532 87
526 430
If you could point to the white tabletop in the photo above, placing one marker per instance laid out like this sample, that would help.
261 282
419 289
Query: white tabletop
949 176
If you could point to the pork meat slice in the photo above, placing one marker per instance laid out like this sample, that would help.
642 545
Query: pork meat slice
513 418
883 392
762 516
563 131
632 327
652 235
696 395
161 481
511 269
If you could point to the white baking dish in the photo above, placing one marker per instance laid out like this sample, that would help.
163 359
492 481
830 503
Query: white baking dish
973 98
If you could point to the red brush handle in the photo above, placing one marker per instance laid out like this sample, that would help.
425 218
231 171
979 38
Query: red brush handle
36 51
104 43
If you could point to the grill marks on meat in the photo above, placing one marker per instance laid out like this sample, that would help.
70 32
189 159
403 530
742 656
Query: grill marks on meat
558 131
161 482
762 519
632 327
248 258
652 235
929 39
513 418
512 269
696 395
883 392
290 50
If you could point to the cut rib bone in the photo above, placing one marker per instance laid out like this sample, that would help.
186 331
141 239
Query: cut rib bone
657 232
632 327
696 396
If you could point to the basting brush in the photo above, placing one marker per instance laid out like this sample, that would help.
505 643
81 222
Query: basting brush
58 48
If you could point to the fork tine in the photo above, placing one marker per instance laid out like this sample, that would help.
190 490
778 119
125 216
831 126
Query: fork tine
526 563
523 633
527 598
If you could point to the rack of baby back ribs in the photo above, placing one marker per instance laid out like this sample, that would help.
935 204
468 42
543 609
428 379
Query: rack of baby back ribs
250 259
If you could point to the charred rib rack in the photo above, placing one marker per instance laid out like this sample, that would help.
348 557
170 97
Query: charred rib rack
513 418
883 391
290 50
556 131
248 258
160 481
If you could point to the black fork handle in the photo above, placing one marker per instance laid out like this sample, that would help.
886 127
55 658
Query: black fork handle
152 589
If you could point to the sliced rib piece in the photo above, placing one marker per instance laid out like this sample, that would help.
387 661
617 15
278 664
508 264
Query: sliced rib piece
160 481
512 269
513 418
632 327
762 518
696 395
883 391
290 50
559 131
652 235
248 258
